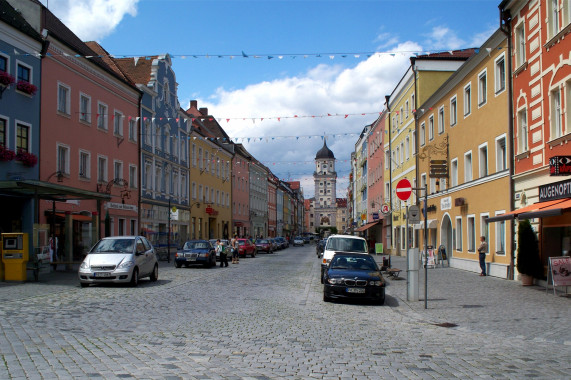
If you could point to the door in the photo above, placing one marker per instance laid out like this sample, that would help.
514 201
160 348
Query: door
446 235
142 257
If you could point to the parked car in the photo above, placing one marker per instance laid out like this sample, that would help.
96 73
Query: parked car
196 252
225 242
298 240
342 244
283 241
306 239
264 245
276 244
320 246
119 259
353 275
246 247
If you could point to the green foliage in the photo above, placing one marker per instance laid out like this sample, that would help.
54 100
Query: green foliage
321 230
528 260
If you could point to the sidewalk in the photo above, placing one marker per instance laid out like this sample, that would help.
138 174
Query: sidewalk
487 304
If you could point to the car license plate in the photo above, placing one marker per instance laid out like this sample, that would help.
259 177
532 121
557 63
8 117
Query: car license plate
101 274
355 290
192 258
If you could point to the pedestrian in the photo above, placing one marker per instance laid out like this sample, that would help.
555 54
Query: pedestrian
234 245
221 249
482 249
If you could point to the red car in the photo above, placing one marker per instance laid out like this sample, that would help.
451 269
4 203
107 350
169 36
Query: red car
246 247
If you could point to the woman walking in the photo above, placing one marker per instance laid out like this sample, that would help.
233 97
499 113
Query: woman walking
234 245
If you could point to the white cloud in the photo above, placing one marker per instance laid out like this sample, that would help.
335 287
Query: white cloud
92 19
288 146
443 38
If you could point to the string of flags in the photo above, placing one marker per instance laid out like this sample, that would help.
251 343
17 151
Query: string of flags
266 56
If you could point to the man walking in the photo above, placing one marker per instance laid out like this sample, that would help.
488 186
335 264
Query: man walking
482 249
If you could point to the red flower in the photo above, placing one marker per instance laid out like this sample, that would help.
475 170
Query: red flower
6 154
26 87
28 159
6 79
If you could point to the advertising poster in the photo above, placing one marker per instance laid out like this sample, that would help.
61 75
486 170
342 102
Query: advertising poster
560 270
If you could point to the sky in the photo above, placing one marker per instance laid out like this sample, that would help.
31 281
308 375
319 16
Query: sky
280 76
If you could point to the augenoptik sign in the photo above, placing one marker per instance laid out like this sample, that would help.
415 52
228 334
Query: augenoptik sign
557 190
560 165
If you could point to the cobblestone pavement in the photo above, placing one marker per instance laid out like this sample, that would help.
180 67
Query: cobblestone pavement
264 318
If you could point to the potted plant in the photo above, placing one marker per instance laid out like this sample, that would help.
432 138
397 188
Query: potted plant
6 79
528 261
26 87
28 159
6 154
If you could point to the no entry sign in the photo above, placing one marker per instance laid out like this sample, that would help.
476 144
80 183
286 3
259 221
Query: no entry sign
404 189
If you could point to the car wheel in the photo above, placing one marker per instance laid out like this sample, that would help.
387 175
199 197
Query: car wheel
322 276
177 264
325 298
135 278
155 273
83 284
381 301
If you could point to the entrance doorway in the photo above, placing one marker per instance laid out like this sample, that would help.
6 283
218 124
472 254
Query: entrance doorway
446 235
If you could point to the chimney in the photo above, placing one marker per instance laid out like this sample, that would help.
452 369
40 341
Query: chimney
203 111
194 104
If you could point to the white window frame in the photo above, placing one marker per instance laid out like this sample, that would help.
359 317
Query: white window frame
522 131
483 162
105 174
118 163
132 129
422 134
431 128
556 114
454 172
87 173
501 153
67 152
520 44
500 237
26 66
553 15
471 233
468 174
133 179
441 120
458 246
485 228
64 109
118 119
482 88
453 110
467 100
102 119
500 74
84 114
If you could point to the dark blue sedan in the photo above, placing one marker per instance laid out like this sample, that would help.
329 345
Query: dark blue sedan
196 252
353 275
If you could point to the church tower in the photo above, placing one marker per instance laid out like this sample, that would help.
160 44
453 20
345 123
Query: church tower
325 178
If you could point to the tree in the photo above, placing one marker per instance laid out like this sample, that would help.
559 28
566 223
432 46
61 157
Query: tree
528 260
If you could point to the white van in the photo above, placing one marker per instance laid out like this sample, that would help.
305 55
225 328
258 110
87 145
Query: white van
342 243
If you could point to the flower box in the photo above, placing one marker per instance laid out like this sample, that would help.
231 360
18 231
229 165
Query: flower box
26 87
28 159
6 154
6 79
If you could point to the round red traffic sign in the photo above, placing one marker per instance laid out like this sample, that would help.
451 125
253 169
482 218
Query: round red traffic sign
404 189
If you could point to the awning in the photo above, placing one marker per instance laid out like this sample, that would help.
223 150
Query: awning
536 210
47 190
367 226
78 217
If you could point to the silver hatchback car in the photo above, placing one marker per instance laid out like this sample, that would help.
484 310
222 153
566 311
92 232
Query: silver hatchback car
119 259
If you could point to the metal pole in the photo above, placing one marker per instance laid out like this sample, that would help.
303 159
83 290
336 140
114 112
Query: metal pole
407 253
169 235
426 246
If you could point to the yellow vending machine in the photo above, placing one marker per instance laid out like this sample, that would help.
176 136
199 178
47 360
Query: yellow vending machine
15 255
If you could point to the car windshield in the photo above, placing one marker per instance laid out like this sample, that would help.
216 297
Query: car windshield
365 263
195 245
241 242
114 245
262 241
347 245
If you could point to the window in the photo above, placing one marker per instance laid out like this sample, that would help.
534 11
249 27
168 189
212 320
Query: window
3 132
431 128
471 231
522 141
24 73
132 130
441 120
166 97
482 88
22 137
200 163
554 14
63 159
500 235
412 104
483 159
117 170
500 74
453 112
501 154
422 134
454 173
85 108
148 177
520 44
118 124
423 183
102 116
468 167
101 169
467 101
459 234
556 125
406 108
3 63
84 165
401 118
63 99
406 148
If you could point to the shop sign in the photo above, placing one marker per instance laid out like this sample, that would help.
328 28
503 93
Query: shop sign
120 206
446 203
560 165
375 216
557 190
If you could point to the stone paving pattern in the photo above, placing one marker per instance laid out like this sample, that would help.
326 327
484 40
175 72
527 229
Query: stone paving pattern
265 319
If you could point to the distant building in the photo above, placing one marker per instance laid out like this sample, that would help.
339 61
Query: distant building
325 178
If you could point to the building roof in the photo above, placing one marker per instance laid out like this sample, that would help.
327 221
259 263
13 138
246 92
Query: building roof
138 70
324 152
13 18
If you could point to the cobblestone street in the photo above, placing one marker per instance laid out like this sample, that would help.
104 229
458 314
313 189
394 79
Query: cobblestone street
264 318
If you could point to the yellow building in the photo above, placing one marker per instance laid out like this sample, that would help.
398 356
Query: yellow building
210 184
464 125
424 76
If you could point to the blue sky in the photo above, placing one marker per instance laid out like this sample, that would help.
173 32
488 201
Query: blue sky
295 81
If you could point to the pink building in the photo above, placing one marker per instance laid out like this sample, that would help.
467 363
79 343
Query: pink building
241 191
376 183
89 143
